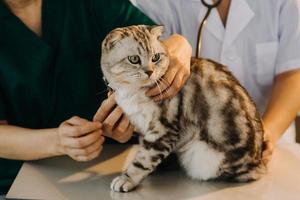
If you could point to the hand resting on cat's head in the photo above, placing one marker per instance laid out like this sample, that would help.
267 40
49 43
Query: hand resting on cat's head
180 52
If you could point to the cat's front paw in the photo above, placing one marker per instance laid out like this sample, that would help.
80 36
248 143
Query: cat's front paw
122 183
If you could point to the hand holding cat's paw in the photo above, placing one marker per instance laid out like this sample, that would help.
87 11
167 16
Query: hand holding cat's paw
122 184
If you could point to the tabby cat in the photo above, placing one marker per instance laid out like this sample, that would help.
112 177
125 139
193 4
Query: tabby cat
212 124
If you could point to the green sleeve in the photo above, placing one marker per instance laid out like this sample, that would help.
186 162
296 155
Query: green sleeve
117 13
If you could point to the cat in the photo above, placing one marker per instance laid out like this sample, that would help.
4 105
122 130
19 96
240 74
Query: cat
212 124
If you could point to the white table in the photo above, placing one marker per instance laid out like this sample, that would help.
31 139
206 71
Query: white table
62 178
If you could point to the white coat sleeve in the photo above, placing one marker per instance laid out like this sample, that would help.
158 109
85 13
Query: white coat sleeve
288 56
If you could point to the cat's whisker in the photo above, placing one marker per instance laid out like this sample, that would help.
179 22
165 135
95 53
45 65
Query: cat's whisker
160 91
163 81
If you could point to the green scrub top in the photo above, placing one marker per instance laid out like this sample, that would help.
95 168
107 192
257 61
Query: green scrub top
46 80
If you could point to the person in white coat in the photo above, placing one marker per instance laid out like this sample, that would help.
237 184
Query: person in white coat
259 40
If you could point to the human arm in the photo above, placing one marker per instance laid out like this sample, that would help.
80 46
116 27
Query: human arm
284 101
25 144
76 137
282 108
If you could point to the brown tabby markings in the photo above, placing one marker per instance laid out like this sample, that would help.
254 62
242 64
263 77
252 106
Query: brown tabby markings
211 97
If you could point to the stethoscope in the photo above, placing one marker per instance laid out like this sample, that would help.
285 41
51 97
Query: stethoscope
203 22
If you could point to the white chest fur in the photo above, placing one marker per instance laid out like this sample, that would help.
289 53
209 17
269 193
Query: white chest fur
139 108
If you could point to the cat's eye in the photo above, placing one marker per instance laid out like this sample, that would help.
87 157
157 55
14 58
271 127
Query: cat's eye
156 57
134 59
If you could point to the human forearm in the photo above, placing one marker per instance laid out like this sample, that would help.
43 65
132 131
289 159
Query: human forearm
283 105
27 144
76 137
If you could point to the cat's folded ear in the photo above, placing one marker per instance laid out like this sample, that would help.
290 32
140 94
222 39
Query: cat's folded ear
112 39
157 31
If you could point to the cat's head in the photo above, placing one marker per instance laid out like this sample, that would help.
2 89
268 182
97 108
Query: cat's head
134 57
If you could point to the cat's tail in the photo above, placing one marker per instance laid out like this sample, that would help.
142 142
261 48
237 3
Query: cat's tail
254 172
245 173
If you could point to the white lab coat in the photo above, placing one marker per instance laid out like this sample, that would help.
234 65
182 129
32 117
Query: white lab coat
261 39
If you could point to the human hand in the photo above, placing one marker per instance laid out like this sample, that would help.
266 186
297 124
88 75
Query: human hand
115 124
180 52
268 147
80 139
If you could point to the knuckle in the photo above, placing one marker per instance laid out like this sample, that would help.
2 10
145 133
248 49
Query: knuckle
121 140
84 151
77 158
91 157
61 131
124 139
175 59
168 80
108 125
120 129
119 109
176 87
75 118
79 143
63 125
102 140
117 137
64 144
76 131
117 134
104 109
82 159
104 102
74 157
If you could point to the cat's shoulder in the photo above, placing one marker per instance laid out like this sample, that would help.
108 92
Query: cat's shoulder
201 65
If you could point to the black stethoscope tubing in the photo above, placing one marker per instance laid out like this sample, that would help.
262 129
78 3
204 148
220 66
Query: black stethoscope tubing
203 22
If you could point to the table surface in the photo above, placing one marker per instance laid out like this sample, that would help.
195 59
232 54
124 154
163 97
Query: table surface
62 178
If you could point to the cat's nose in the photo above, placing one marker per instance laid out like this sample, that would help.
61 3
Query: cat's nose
149 72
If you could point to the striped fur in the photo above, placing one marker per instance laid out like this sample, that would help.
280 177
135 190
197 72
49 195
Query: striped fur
212 124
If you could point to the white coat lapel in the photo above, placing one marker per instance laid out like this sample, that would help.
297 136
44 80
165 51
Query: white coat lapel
240 15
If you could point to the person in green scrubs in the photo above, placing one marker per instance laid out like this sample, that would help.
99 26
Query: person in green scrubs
51 84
